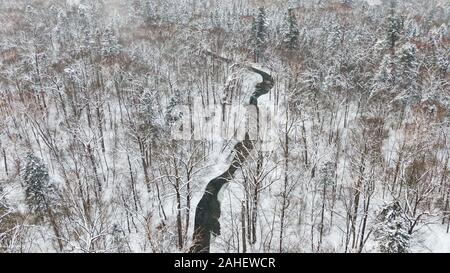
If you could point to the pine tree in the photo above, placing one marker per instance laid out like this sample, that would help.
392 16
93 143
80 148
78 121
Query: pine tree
391 230
147 10
438 34
5 221
394 26
442 60
412 29
172 111
408 65
347 3
290 31
174 116
151 121
334 36
40 193
110 43
385 76
326 173
3 202
118 239
259 34
325 179
61 28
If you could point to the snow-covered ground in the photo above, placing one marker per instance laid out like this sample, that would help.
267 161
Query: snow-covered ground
102 94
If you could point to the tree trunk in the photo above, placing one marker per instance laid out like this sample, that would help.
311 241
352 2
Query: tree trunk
244 239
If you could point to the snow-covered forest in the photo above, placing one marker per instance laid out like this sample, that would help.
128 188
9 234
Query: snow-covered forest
115 115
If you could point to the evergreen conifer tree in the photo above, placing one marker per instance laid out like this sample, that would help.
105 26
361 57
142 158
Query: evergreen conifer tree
408 65
40 193
110 43
290 31
147 10
391 231
394 26
259 34
385 76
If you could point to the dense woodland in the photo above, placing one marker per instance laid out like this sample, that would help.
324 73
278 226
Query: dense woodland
90 95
